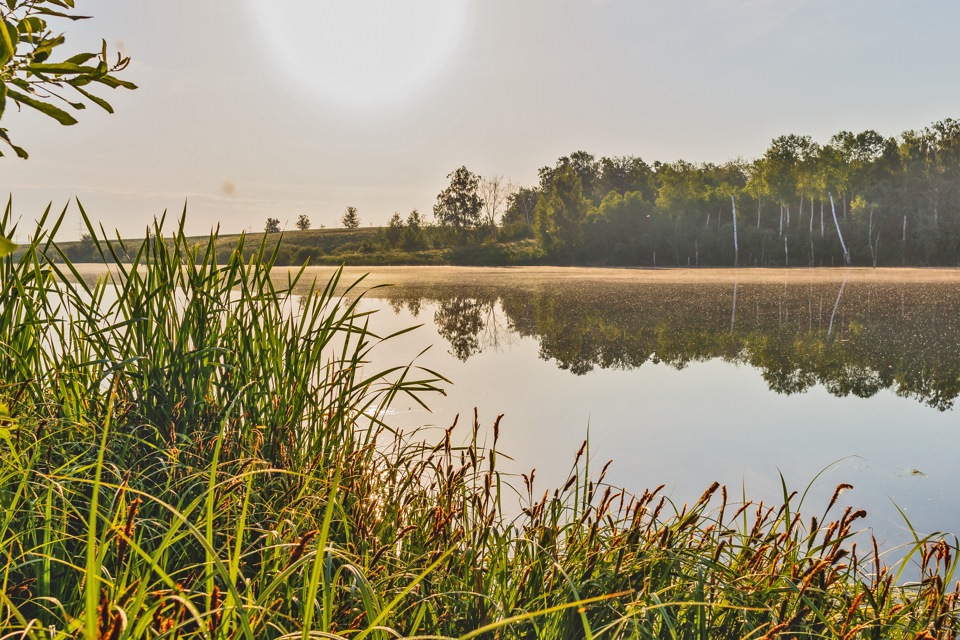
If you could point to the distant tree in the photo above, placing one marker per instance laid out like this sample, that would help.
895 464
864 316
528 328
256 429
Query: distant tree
83 251
496 191
272 226
303 222
350 218
413 233
459 205
585 166
394 229
415 220
29 77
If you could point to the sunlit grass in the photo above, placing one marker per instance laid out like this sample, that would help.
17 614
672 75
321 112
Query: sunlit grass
196 452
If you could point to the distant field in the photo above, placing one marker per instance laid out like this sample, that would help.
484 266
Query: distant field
365 246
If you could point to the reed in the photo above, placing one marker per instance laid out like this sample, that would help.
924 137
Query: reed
196 452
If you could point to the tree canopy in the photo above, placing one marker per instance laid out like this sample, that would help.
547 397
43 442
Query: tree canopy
460 205
350 218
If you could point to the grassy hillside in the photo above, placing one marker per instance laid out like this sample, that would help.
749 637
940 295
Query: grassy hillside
365 246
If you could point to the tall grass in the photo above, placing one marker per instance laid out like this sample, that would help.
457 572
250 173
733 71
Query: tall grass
198 453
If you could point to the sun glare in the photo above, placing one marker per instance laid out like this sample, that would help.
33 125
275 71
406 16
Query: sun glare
362 54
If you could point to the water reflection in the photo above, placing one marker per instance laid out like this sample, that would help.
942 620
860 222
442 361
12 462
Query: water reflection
854 338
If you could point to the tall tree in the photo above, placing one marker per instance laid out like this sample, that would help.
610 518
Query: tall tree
561 212
495 191
459 205
394 229
272 226
350 218
303 222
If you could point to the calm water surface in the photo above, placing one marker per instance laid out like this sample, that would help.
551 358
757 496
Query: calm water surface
686 377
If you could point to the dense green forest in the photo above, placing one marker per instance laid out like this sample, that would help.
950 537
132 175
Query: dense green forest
861 199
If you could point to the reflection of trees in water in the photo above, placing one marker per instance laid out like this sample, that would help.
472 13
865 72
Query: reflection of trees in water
459 321
852 338
470 325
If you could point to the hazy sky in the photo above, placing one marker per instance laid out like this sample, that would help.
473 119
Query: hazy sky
257 108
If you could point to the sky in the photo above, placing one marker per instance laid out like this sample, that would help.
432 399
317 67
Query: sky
248 109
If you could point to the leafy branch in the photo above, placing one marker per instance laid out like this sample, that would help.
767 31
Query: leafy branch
31 77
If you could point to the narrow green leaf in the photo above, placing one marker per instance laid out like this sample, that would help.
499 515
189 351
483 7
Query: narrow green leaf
56 113
100 102
6 44
60 68
112 82
80 58
18 150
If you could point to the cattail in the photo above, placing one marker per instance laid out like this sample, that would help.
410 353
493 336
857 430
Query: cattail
708 493
718 551
123 541
743 508
580 452
723 504
852 609
775 631
857 629
836 494
301 546
216 615
876 555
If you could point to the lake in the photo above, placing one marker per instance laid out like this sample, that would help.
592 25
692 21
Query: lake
684 377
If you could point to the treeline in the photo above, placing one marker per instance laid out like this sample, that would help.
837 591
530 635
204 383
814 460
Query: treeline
860 199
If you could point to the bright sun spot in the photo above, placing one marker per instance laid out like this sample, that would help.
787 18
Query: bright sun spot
362 54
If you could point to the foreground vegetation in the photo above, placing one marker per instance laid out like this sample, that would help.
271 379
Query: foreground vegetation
194 452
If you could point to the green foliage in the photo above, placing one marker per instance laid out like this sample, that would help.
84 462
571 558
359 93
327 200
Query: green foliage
30 75
350 218
272 226
459 205
303 222
561 211
395 229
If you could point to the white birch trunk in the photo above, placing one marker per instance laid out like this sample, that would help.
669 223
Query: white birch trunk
736 245
833 209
